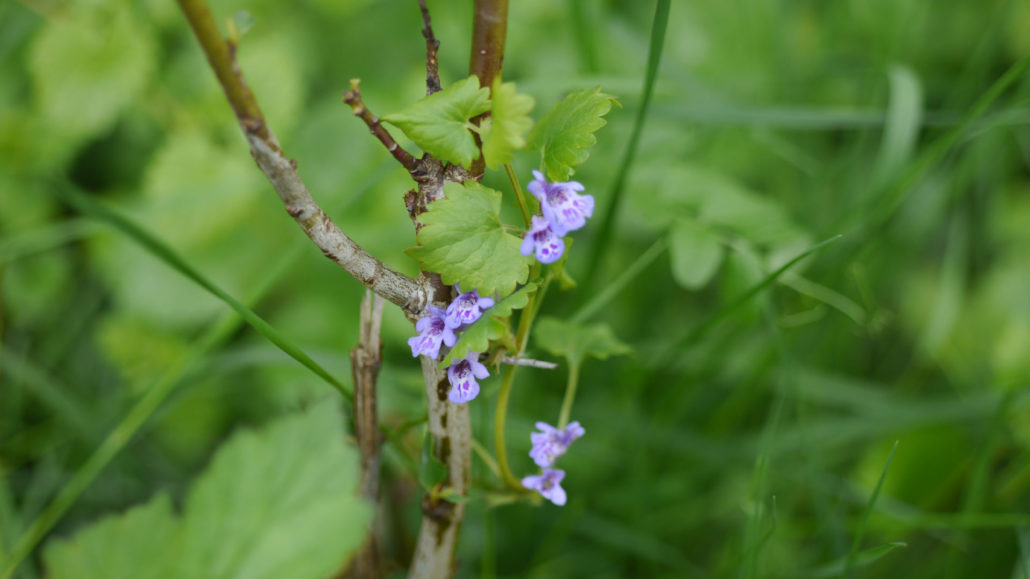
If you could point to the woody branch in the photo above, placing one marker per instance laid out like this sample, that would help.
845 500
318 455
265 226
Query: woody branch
410 294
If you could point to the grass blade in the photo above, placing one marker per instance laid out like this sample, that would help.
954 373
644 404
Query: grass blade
654 57
166 254
864 558
853 556
884 205
612 289
699 330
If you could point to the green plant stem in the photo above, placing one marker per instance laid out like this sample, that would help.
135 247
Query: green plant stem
529 315
570 395
519 195
500 419
501 415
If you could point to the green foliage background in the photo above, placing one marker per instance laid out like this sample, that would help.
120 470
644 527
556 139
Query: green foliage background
748 447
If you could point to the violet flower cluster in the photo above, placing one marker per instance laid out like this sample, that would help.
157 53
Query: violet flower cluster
548 445
442 327
564 210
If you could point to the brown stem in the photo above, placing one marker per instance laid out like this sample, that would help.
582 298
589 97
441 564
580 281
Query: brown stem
409 294
489 30
366 359
432 46
353 98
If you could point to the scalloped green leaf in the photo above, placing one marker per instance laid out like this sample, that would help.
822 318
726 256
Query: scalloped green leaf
476 337
505 130
279 502
439 123
463 241
577 341
567 131
144 542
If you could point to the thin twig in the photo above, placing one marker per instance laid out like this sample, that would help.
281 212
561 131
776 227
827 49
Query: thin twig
432 47
353 98
366 359
528 362
410 294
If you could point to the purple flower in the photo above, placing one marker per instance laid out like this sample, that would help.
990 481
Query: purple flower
432 332
551 442
564 209
466 308
462 376
542 239
547 484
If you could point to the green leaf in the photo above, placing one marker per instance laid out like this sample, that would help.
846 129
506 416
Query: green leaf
439 123
505 130
476 338
567 131
696 253
145 542
463 240
277 503
88 64
577 341
274 503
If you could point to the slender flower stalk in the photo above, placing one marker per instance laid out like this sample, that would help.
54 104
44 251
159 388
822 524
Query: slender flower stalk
500 421
519 195
570 396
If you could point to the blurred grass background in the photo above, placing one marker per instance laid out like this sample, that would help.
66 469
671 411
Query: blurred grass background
750 447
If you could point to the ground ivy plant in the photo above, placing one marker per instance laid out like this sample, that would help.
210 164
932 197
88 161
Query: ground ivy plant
499 269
